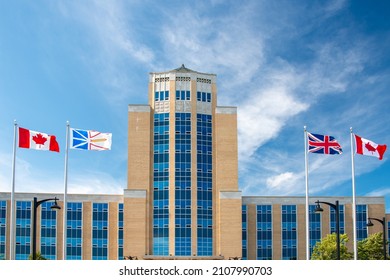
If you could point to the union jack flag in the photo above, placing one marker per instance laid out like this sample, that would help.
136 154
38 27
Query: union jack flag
323 144
89 140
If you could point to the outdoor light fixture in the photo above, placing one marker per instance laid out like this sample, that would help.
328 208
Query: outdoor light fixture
318 207
383 222
55 206
336 208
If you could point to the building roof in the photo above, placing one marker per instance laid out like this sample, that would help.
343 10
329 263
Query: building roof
182 69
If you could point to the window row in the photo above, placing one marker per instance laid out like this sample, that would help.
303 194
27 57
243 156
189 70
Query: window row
161 95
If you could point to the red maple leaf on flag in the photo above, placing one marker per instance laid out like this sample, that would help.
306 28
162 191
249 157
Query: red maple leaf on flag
369 147
39 139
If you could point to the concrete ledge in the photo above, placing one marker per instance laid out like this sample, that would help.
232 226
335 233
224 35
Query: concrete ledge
226 110
230 195
71 197
139 108
134 194
297 200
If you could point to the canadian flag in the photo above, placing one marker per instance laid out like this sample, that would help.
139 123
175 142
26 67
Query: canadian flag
37 140
368 148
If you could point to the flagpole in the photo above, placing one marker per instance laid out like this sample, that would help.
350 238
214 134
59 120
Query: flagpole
307 197
65 192
353 199
13 214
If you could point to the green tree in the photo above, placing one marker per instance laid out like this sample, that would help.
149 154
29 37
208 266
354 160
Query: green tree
326 249
38 256
371 248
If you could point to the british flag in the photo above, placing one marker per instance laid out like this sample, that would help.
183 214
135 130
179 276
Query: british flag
323 144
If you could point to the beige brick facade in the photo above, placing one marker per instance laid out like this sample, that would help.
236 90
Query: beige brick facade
224 161
374 207
229 230
137 199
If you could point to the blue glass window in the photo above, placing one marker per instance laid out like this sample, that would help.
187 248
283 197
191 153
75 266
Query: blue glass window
48 231
203 96
161 95
74 229
23 230
183 184
183 95
388 236
120 231
3 221
314 227
289 232
264 232
244 232
204 184
160 184
333 219
100 231
361 222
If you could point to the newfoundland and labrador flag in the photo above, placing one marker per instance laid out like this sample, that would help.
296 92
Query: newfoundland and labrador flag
29 139
323 144
89 140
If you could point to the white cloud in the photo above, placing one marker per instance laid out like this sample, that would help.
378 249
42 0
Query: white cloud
334 67
268 91
224 44
278 181
96 183
380 192
332 7
109 21
115 46
28 178
263 114
22 173
263 118
384 191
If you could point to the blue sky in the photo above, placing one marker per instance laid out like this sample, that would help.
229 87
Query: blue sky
284 64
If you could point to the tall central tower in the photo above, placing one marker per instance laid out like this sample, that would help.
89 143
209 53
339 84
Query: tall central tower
182 198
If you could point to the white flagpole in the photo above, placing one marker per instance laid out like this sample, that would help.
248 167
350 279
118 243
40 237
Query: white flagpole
13 214
307 197
353 199
65 192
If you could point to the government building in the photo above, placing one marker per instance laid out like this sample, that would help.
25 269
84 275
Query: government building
182 199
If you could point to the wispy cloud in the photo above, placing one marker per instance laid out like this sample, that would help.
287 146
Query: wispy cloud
5 172
96 183
265 111
332 7
223 44
333 70
114 45
238 45
334 67
383 191
110 22
380 192
29 178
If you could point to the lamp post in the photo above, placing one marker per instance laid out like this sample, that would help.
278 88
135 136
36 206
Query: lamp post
336 208
383 222
37 202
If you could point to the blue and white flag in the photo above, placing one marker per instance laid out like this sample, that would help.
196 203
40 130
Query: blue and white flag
89 140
